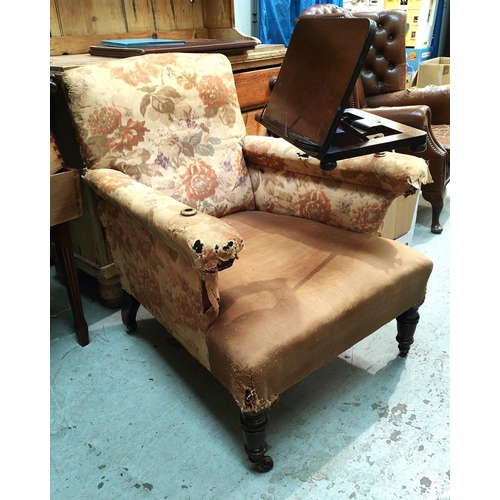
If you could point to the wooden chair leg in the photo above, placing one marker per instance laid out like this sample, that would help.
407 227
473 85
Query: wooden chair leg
437 200
62 240
254 427
407 324
130 306
436 226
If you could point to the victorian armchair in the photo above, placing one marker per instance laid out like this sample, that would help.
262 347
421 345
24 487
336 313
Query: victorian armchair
381 90
262 266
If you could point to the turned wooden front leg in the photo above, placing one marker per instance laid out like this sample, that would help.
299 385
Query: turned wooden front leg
130 306
407 324
254 427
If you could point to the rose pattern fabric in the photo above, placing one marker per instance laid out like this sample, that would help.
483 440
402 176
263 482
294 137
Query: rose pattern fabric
199 180
213 93
339 204
169 121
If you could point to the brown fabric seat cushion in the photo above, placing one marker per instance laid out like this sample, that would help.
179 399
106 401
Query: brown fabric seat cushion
300 294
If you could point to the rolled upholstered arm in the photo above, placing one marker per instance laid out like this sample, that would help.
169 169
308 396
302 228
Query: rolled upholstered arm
394 172
355 196
437 97
207 242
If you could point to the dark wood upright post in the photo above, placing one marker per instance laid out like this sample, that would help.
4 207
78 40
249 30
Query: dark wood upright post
60 235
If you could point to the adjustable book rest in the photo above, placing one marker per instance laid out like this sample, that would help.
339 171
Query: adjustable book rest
308 103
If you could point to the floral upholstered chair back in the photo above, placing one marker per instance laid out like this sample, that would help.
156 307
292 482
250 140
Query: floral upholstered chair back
166 125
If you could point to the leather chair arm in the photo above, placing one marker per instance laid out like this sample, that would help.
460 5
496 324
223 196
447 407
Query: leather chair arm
208 243
436 97
413 116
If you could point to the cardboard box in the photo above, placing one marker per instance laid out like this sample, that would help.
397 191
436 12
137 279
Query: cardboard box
434 72
400 218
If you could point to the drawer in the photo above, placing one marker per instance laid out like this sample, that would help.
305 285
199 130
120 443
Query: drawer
252 87
65 196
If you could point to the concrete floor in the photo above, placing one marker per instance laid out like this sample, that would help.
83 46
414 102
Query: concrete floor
134 416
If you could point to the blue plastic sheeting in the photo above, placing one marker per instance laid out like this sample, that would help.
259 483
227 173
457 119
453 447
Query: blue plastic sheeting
277 18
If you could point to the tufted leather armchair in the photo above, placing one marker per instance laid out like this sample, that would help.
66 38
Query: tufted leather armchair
263 266
381 90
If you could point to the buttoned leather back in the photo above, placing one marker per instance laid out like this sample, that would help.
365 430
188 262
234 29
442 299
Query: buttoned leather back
384 69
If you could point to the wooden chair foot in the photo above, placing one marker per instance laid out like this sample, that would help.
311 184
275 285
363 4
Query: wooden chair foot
254 427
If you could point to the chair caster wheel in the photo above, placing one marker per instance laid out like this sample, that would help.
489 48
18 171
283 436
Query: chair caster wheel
266 464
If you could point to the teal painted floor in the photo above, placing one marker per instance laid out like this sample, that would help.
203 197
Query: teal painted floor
135 417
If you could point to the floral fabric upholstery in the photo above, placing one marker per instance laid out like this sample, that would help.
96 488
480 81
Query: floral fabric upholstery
354 196
335 203
166 125
205 242
174 292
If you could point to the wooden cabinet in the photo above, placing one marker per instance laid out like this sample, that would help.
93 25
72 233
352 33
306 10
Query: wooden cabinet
77 24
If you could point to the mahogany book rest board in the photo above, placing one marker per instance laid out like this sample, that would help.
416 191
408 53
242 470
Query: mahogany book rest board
307 106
